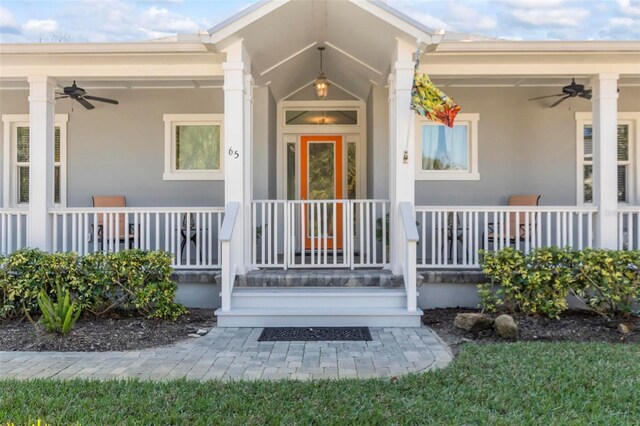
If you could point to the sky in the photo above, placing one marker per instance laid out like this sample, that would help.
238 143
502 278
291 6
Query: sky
34 21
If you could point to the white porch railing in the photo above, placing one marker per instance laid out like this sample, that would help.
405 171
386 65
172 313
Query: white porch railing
228 239
190 234
13 230
629 228
452 236
409 240
320 233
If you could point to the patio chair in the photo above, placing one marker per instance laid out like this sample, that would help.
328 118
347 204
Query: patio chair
522 232
113 201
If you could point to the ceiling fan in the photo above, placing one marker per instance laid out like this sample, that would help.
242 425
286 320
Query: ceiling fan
80 95
571 91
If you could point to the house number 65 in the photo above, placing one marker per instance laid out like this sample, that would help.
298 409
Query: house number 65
233 153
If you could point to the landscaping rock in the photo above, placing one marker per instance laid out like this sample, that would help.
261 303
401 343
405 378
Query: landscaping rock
193 335
624 328
472 322
506 327
201 332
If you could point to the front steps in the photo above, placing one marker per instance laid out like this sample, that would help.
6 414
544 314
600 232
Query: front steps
317 299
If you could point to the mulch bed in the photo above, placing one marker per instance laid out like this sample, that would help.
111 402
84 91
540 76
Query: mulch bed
115 332
573 326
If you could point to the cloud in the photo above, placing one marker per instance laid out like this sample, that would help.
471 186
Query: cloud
8 23
621 22
465 18
533 4
553 17
161 20
40 26
630 7
431 21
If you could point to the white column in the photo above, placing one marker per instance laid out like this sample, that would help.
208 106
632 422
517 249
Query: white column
605 147
401 140
238 106
41 140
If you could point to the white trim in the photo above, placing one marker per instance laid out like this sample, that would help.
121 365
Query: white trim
633 176
471 120
9 182
170 123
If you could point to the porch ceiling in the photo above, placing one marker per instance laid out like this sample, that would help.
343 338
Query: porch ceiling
283 45
91 84
533 81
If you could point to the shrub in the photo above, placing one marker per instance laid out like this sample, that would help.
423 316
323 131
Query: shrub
607 282
535 283
98 282
60 316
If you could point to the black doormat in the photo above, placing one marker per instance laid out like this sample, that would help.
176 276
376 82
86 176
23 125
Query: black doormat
314 334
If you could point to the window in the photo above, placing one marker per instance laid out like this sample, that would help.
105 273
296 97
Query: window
193 147
328 117
17 161
625 157
447 153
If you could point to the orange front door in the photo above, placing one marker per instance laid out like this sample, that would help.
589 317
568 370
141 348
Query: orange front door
321 164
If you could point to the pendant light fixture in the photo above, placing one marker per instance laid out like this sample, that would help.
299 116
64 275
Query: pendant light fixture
321 84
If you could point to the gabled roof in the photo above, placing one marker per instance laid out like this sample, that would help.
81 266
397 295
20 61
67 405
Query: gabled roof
282 37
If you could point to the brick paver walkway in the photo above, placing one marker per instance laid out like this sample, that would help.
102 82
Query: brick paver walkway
235 354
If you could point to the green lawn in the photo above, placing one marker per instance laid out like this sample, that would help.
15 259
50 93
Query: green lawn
523 383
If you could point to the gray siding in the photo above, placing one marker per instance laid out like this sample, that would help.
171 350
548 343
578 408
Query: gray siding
119 150
524 148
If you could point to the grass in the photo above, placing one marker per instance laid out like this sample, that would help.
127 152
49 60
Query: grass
506 384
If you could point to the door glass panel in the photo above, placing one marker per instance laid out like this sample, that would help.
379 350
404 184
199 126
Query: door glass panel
351 171
321 171
291 171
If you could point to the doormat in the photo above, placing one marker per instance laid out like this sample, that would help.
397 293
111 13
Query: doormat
314 334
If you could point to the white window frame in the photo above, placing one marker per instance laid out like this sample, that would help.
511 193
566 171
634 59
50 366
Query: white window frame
633 177
471 121
10 123
170 123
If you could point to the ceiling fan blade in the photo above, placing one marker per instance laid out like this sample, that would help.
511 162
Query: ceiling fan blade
61 97
548 96
95 98
585 94
84 103
558 101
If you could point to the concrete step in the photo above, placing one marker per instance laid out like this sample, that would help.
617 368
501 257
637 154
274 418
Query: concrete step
320 278
317 297
319 317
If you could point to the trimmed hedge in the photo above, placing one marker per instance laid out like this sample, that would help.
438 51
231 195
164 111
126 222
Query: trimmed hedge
605 281
98 282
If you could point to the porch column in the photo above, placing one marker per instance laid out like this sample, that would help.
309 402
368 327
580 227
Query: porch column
238 111
605 148
41 141
401 140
